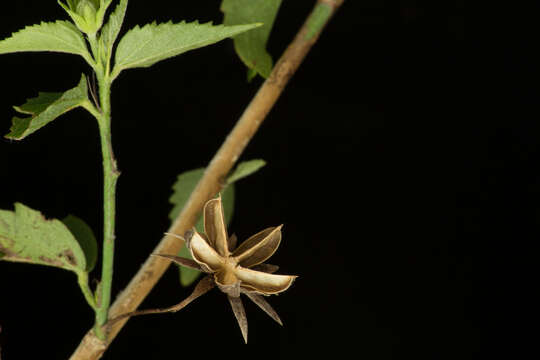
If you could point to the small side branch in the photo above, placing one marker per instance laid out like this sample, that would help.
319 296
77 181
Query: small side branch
142 283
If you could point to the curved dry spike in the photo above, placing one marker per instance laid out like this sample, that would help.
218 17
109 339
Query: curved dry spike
202 287
264 305
240 314
189 263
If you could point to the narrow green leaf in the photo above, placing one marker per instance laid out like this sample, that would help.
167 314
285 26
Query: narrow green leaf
111 29
59 36
143 47
251 46
45 108
244 169
26 236
86 238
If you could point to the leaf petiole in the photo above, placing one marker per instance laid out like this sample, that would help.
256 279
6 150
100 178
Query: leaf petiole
82 278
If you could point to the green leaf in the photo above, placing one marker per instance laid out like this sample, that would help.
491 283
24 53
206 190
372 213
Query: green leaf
59 36
26 236
85 236
88 15
182 189
110 31
45 108
244 169
143 47
227 199
251 46
184 186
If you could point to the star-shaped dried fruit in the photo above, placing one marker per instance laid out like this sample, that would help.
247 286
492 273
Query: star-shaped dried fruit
235 270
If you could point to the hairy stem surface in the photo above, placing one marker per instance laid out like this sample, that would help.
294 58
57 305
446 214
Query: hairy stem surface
110 176
91 347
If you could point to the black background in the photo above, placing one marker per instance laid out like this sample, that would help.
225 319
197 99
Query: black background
403 164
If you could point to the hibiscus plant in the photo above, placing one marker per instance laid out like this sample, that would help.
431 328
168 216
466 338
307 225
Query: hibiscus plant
93 33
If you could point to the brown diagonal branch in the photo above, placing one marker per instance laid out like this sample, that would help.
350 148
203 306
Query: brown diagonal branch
142 283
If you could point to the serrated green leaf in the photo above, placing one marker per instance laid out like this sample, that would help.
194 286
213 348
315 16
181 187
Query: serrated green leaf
182 189
111 29
59 36
244 169
45 108
26 236
85 237
251 46
143 47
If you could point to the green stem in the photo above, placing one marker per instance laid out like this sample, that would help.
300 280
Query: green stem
110 176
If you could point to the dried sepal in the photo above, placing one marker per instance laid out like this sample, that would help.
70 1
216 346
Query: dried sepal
214 226
258 247
189 263
264 305
240 314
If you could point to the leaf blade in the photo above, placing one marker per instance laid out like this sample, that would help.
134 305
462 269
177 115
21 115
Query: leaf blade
85 237
60 36
251 46
244 169
110 31
26 236
147 45
45 108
